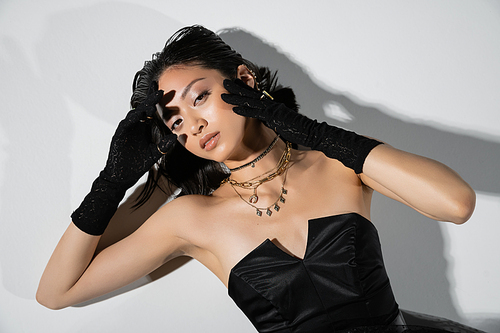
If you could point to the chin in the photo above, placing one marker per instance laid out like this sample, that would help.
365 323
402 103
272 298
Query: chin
207 155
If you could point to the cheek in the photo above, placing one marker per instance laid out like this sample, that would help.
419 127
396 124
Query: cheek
192 144
226 114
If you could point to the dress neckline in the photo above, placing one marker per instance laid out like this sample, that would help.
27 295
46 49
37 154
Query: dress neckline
292 257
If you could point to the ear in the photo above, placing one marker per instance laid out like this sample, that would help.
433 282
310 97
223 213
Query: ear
244 74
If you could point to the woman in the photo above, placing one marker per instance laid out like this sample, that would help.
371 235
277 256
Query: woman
286 230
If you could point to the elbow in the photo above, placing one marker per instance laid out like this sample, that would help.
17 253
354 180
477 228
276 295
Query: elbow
463 207
48 301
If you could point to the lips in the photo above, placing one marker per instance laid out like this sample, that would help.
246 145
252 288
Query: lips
209 140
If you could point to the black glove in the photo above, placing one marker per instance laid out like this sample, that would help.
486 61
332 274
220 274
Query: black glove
348 147
131 155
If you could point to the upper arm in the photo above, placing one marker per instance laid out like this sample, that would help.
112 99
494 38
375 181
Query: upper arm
390 194
426 185
154 243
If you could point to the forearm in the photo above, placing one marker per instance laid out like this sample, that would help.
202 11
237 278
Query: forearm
69 260
422 183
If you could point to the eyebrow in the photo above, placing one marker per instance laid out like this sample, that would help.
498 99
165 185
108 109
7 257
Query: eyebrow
189 86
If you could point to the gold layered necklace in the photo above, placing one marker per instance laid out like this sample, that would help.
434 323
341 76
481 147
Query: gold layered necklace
253 184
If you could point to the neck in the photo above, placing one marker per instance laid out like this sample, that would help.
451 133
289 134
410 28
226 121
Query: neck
251 149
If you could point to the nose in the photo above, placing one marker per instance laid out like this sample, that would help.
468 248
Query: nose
198 126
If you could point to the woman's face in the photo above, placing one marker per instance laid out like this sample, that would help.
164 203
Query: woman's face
193 109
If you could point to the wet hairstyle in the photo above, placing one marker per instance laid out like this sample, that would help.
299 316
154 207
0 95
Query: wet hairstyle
197 46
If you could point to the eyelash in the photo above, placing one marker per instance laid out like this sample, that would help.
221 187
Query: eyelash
200 97
178 122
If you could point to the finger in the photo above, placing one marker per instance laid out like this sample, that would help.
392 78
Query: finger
158 96
133 116
239 87
234 87
149 107
165 143
240 100
231 99
152 87
154 98
247 112
149 111
168 141
244 101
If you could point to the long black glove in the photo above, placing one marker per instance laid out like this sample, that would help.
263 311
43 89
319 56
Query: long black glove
348 147
130 156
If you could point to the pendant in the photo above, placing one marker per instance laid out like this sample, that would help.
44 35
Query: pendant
282 200
269 212
276 207
258 212
253 199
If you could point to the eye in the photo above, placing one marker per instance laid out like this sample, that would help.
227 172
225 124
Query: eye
201 97
175 124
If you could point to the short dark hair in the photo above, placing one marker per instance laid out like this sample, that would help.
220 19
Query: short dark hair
193 45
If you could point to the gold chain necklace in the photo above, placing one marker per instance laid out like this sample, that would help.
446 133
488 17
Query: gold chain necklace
254 184
274 205
281 168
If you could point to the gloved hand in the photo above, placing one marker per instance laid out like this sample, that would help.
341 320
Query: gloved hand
131 155
348 147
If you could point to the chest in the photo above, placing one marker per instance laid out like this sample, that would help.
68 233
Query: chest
231 230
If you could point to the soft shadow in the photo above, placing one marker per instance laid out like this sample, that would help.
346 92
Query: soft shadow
424 320
34 161
488 322
126 220
163 270
107 79
37 128
38 153
413 245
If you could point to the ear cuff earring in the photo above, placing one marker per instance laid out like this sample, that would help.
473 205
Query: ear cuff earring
254 78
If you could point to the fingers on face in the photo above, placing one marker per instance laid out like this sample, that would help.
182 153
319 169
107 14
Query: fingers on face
239 87
230 99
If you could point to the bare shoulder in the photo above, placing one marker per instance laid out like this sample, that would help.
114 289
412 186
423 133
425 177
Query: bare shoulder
325 175
194 223
183 210
186 217
183 206
321 165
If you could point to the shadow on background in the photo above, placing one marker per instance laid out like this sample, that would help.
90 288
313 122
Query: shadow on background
413 244
125 221
38 127
38 154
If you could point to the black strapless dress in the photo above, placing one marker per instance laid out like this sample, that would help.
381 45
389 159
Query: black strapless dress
340 286
340 283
